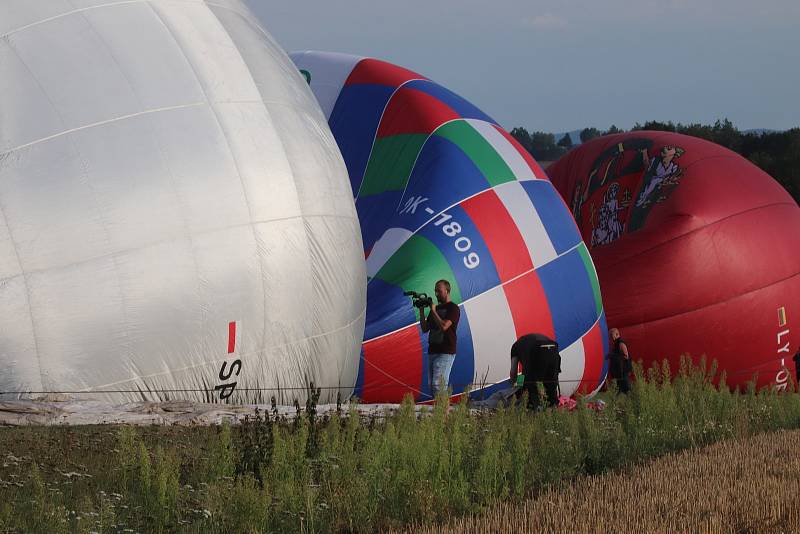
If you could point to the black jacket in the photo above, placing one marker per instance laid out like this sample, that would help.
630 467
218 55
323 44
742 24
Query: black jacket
539 356
618 365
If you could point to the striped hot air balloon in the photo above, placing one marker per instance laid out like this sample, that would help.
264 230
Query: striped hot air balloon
443 192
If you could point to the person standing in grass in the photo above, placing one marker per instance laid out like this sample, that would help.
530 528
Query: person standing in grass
440 324
797 368
619 361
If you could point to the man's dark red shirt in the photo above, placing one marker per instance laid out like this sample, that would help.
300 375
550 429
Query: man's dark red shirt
443 342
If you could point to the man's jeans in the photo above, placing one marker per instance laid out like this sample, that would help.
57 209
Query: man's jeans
439 366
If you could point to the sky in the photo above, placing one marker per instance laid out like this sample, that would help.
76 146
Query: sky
562 65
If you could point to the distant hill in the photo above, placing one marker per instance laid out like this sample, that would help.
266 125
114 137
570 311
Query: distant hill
759 131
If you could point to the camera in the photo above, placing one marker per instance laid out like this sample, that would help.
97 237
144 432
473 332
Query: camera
420 300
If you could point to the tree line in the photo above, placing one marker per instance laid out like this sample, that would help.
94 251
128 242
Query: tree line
777 153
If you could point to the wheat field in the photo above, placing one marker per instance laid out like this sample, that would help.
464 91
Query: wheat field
739 485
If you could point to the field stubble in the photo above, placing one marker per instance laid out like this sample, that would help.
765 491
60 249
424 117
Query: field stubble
738 485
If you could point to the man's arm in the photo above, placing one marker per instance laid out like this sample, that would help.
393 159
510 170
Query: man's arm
645 157
513 373
623 348
444 324
423 323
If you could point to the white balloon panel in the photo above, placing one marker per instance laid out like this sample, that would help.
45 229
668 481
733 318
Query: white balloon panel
169 191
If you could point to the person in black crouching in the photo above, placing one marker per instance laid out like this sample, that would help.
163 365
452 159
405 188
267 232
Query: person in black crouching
536 358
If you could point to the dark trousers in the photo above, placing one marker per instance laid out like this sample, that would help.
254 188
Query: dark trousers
624 384
532 389
617 370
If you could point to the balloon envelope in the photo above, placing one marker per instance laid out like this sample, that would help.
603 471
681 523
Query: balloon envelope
175 216
696 248
443 192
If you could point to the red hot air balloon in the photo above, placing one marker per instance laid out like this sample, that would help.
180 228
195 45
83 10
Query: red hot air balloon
697 250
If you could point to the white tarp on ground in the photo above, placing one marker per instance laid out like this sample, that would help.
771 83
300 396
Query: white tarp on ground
84 412
175 216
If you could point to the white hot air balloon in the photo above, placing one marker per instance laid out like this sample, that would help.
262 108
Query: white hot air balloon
176 220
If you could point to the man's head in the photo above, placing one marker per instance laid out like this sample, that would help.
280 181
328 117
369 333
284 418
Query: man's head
612 191
614 334
669 152
442 291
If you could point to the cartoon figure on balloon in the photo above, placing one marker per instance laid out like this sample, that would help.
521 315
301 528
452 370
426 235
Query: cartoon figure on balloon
609 227
661 172
577 202
624 184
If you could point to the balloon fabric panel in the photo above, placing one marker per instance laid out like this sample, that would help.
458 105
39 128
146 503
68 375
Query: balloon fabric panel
389 373
444 192
463 108
569 291
355 132
594 342
562 230
411 111
390 163
418 262
374 71
482 154
469 280
387 309
530 310
507 248
587 263
440 160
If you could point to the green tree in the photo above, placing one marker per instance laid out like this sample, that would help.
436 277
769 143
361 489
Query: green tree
565 142
544 148
523 137
727 135
703 131
655 126
588 134
777 154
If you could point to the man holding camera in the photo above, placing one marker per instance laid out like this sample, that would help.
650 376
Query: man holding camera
440 324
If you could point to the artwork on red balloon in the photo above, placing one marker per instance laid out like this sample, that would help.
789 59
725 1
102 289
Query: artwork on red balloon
697 251
622 186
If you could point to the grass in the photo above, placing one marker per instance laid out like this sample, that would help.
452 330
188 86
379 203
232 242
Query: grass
348 474
745 484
